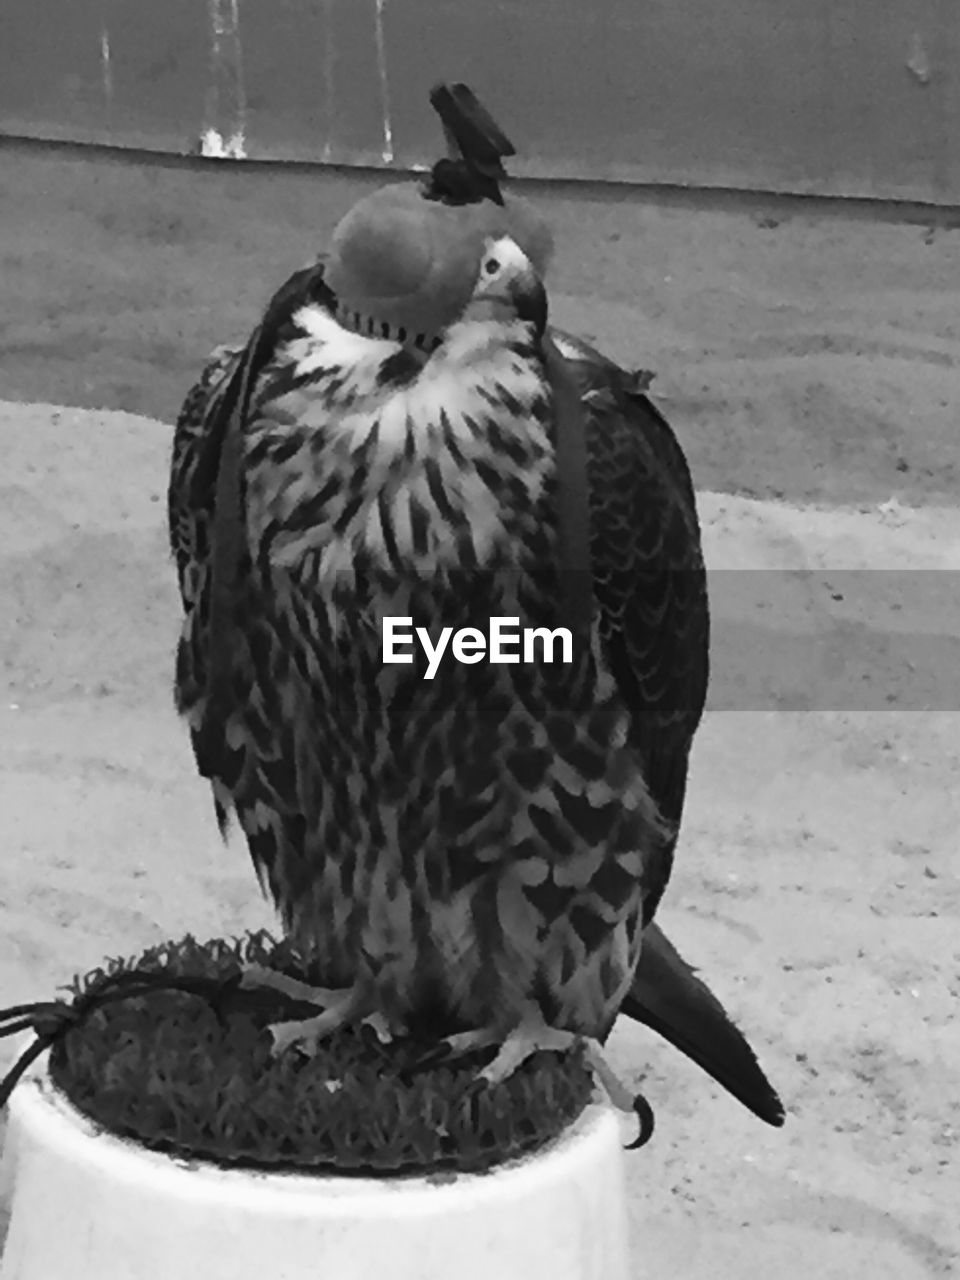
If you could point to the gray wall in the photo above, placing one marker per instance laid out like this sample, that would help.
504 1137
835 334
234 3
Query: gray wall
846 97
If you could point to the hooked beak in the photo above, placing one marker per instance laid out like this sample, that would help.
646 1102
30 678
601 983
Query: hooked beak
508 279
530 300
522 292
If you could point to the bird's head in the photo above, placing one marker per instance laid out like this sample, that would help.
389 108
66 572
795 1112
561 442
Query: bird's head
408 260
508 286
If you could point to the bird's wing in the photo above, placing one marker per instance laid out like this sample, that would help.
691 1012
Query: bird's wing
651 592
186 519
195 521
190 514
648 576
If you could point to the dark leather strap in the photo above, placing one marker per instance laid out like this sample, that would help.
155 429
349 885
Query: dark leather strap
573 494
227 545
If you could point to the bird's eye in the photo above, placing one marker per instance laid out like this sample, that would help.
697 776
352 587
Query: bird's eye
491 266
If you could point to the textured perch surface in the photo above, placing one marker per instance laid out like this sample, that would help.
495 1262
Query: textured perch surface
191 1073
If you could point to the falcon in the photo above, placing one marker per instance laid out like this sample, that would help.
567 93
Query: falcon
405 436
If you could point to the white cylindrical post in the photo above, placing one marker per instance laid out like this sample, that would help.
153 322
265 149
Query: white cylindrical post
86 1205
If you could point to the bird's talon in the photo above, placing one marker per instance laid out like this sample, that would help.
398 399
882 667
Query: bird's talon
644 1113
435 1056
380 1027
291 1035
477 1086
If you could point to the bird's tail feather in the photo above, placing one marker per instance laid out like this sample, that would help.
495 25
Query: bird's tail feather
668 997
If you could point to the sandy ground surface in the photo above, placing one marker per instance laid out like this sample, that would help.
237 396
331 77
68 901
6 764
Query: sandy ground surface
818 884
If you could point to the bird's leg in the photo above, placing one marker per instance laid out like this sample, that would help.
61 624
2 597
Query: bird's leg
305 1034
467 1042
533 1034
523 1041
258 977
340 1007
615 1089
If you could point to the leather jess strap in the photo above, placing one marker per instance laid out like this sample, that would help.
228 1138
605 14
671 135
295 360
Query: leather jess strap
573 494
226 554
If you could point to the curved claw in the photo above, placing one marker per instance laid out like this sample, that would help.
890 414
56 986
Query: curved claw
644 1113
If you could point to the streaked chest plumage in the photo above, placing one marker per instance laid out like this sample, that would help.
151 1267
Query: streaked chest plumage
467 839
446 471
